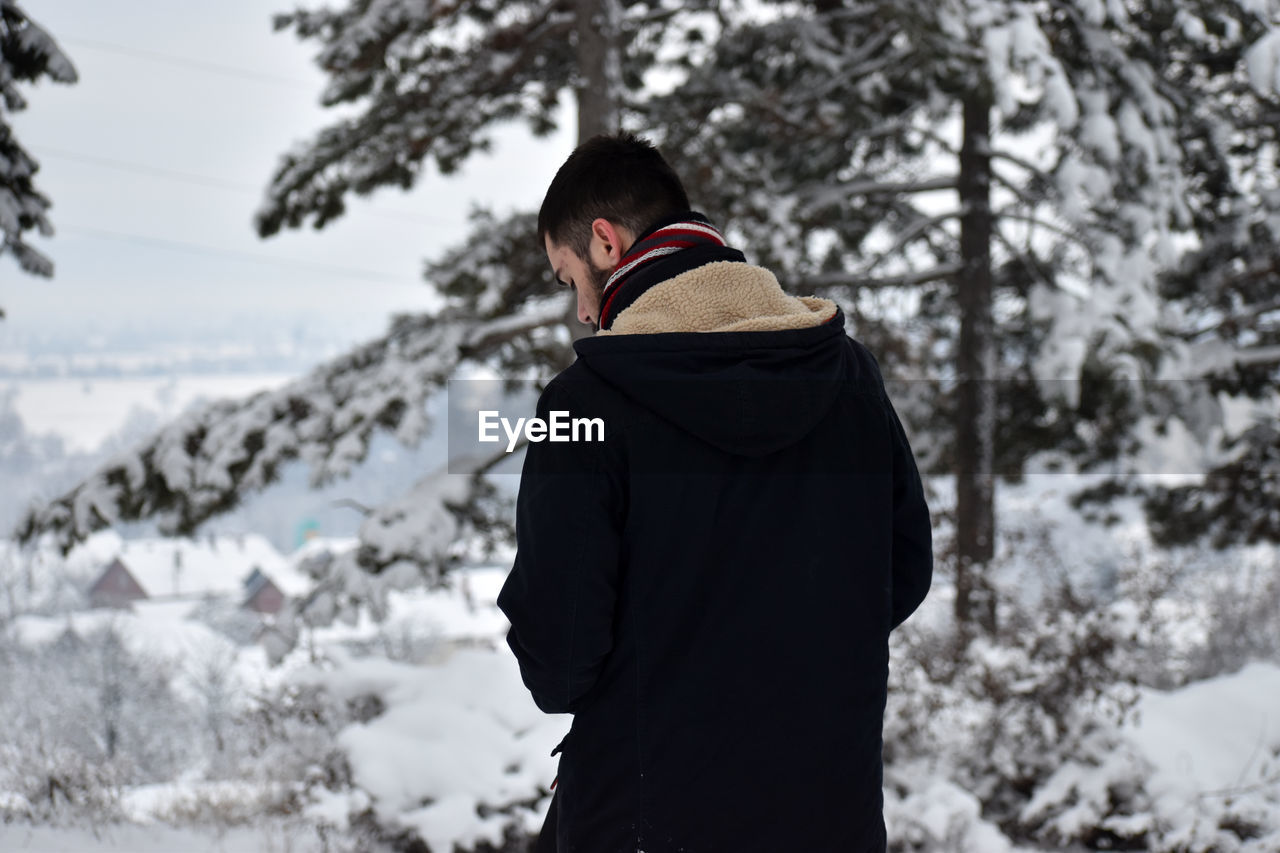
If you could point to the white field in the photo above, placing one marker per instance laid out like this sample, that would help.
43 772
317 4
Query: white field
84 412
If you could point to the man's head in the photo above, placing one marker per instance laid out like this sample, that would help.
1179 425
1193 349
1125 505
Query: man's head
609 191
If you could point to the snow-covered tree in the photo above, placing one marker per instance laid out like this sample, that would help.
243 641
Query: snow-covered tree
429 82
27 53
1000 194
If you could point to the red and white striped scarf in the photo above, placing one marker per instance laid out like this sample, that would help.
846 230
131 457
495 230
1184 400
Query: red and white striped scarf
657 244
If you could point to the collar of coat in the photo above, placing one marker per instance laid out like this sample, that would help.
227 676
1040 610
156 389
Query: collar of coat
717 296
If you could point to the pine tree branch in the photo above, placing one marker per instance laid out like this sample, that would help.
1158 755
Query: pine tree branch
1017 190
206 462
1031 268
841 193
456 95
1006 213
1023 163
909 234
1248 319
827 281
352 503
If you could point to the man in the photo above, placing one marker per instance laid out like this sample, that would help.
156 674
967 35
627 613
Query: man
710 589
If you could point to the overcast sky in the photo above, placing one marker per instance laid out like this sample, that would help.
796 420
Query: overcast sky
168 140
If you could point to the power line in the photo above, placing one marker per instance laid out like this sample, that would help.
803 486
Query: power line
205 180
187 62
139 168
214 68
197 248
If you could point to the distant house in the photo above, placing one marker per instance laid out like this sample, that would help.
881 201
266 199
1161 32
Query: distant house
261 594
177 570
115 587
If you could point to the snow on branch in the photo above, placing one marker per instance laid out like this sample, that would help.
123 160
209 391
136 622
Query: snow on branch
826 280
27 53
432 80
404 544
206 461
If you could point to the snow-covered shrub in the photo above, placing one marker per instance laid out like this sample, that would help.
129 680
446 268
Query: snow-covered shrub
47 782
453 755
1199 611
1207 779
83 716
1028 733
999 715
1243 607
289 734
925 813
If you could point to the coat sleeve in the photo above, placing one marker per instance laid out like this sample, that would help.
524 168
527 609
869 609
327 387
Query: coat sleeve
561 593
912 547
912 530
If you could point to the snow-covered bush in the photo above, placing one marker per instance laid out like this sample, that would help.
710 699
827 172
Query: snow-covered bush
1243 607
999 715
453 755
83 717
1025 736
289 740
44 782
120 706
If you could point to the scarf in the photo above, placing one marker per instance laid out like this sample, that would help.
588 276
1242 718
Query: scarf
689 237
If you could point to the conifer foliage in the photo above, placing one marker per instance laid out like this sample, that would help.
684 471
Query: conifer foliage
27 54
1002 194
427 83
1059 205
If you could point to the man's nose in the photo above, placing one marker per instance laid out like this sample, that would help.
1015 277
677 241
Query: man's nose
584 314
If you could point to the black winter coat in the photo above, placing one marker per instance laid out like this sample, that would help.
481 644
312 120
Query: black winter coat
710 591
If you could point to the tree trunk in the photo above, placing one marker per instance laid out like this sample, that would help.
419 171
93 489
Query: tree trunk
975 368
599 86
598 90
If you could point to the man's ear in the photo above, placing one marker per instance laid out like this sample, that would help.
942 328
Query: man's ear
608 243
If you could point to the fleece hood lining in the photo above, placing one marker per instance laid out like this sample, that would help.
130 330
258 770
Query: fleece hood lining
721 296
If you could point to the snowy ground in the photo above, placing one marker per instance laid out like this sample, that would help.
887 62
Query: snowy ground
459 735
459 731
125 838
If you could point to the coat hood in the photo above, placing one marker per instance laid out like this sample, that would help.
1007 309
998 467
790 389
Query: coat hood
722 352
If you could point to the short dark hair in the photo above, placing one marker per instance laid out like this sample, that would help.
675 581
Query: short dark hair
619 177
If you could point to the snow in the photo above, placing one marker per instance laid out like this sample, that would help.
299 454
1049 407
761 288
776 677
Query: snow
1214 735
213 566
464 610
159 632
1097 130
1262 60
131 838
85 412
939 815
455 736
